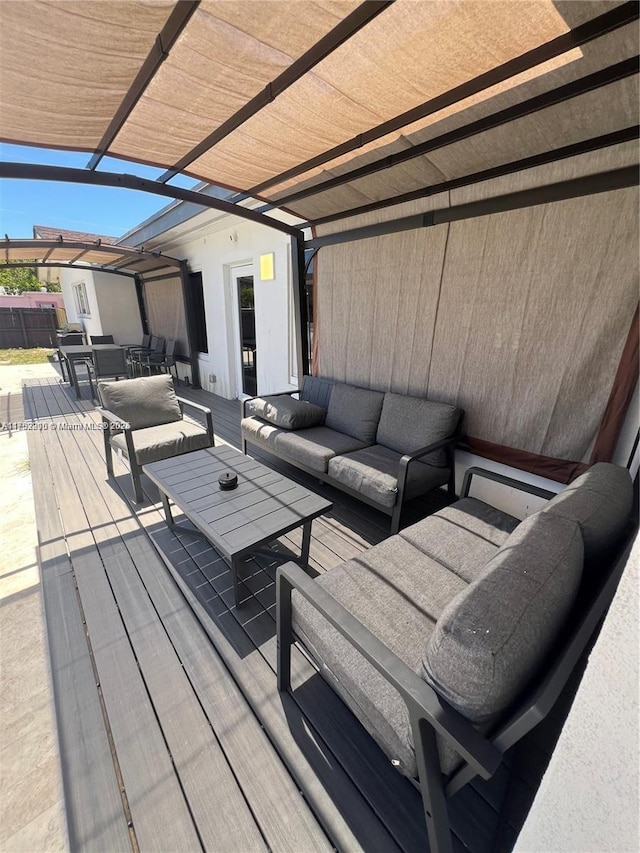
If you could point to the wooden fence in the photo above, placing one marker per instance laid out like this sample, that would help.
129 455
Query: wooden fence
27 327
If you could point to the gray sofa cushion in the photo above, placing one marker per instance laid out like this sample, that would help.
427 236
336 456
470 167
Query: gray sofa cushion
355 411
600 500
410 423
398 594
286 412
314 447
161 442
373 472
144 402
260 432
492 638
463 536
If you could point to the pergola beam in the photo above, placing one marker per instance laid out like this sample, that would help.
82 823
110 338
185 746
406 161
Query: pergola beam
174 25
604 77
561 191
54 265
594 29
343 31
33 172
597 143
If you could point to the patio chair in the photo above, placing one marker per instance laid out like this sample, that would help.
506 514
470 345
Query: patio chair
137 356
161 362
101 339
106 364
68 341
144 420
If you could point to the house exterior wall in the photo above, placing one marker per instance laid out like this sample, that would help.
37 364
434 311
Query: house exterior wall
111 302
215 254
32 299
588 799
118 310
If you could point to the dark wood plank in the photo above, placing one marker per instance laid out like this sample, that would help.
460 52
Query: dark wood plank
287 819
160 814
96 818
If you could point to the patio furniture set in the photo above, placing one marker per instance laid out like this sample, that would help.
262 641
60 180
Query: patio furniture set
451 639
103 359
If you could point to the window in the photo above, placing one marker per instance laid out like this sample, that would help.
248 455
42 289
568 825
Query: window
80 296
200 342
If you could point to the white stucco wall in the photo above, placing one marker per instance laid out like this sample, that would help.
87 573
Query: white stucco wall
113 306
589 796
214 253
119 314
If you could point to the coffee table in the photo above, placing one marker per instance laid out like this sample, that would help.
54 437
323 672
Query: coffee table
263 506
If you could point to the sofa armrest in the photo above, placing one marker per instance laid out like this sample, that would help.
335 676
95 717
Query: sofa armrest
505 481
422 701
205 411
408 458
258 396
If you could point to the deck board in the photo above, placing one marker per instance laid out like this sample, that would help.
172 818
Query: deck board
298 771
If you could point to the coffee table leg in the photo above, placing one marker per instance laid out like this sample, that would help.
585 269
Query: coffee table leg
167 509
235 566
306 542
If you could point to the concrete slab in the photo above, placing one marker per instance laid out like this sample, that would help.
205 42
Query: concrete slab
32 816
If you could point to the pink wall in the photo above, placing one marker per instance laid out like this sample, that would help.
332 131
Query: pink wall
32 299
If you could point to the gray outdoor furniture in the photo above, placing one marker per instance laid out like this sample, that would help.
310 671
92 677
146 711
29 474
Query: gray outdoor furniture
382 448
143 419
106 364
137 355
101 339
75 355
263 506
453 639
160 362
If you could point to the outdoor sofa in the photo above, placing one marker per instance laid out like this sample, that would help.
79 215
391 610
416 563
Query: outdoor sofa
453 639
382 448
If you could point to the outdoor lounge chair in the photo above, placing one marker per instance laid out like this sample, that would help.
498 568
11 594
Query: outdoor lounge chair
106 364
143 419
451 640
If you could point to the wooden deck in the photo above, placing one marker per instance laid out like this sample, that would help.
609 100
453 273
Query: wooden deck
172 734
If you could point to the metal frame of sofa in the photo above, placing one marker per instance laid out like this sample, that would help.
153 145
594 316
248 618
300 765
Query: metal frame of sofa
430 715
324 388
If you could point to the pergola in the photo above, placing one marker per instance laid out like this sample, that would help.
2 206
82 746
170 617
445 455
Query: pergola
364 119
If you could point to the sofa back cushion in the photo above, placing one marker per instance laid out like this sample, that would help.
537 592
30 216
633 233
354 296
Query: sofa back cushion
144 402
492 638
409 423
316 390
354 411
600 500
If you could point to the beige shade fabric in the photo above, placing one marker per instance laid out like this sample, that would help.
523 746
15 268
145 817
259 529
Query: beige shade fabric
128 259
59 86
68 67
165 311
524 321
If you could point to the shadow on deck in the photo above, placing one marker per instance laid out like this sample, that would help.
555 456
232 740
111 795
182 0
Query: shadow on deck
172 733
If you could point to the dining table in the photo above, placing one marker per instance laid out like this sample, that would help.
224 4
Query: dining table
81 353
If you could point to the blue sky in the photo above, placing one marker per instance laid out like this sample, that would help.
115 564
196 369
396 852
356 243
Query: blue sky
73 207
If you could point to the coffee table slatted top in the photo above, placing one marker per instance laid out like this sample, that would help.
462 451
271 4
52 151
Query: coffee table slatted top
262 507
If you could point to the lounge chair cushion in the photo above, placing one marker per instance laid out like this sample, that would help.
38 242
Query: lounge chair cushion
409 423
314 447
398 594
600 500
373 471
463 537
144 402
490 640
161 442
354 411
286 412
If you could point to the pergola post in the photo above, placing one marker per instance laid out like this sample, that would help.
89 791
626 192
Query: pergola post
301 314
